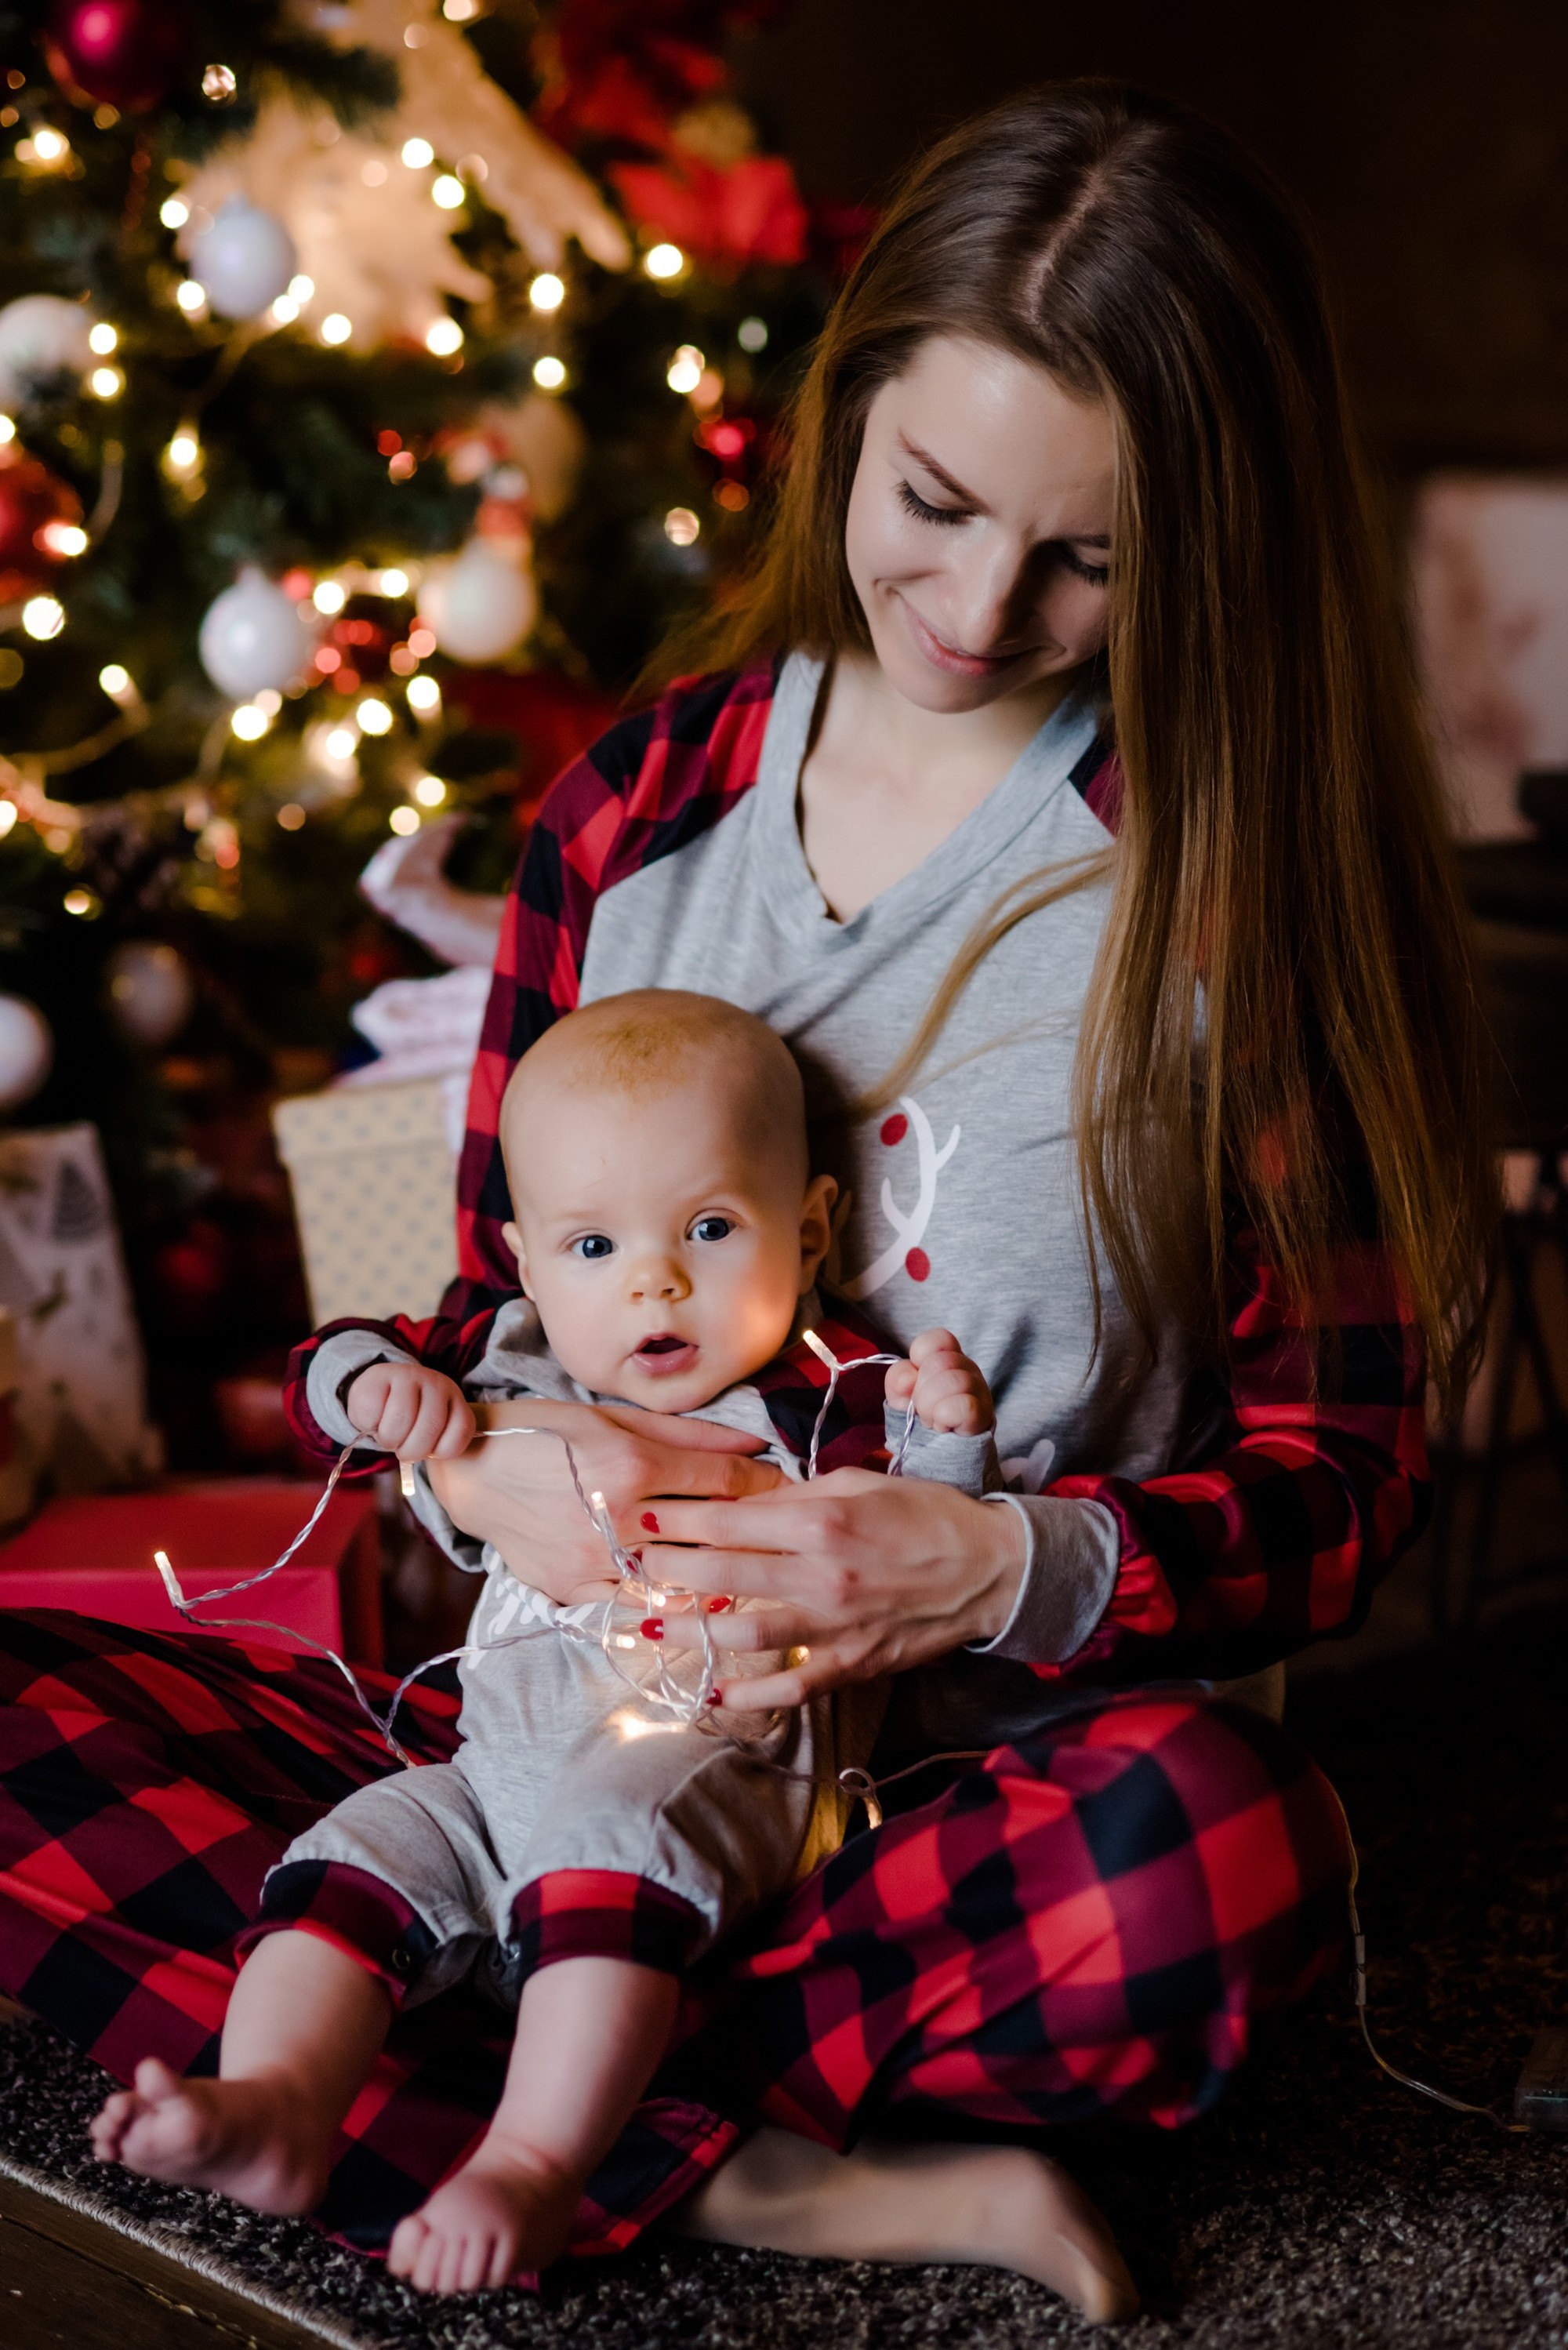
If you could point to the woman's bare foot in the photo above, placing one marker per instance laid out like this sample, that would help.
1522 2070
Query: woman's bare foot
1002 2207
507 2209
258 2140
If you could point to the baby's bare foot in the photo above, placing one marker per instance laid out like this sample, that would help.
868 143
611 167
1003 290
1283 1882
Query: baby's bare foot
506 2209
257 2140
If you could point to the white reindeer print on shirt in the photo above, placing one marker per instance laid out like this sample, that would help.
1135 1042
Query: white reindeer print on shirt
904 1252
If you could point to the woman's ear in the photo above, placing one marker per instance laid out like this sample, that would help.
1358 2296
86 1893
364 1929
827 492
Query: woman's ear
815 1227
514 1240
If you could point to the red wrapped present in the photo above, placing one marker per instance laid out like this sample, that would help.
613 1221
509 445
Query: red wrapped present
92 1552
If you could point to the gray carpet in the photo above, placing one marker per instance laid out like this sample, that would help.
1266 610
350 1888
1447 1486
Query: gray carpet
1320 2206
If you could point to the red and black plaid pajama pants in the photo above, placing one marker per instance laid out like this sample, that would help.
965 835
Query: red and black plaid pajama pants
1086 1924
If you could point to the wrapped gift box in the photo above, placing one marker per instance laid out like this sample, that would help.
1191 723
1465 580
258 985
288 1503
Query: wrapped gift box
93 1554
81 1390
375 1187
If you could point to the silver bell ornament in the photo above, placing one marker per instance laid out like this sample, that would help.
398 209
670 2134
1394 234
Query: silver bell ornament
482 603
150 991
41 336
26 1050
252 637
244 260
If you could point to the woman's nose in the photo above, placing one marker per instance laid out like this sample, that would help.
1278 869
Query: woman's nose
987 592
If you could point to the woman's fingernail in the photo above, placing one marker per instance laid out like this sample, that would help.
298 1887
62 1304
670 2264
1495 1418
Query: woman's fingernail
715 1697
652 1627
637 1555
648 1521
717 1607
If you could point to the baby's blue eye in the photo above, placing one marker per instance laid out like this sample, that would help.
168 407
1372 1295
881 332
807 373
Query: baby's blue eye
711 1228
592 1246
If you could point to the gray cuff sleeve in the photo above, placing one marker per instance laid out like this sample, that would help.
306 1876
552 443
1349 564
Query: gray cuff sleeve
1069 1575
966 1462
336 1361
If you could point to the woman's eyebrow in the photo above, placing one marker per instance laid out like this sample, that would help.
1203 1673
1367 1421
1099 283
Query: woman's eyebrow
941 473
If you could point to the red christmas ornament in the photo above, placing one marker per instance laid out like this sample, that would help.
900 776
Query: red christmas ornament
124 53
39 517
363 635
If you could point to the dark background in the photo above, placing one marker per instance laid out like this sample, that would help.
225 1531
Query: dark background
1428 143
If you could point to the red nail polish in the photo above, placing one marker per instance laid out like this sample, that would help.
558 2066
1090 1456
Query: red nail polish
715 1697
648 1521
652 1627
635 1554
717 1607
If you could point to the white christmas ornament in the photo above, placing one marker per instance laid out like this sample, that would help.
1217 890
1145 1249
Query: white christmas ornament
26 1050
41 335
244 260
370 237
150 990
252 637
484 602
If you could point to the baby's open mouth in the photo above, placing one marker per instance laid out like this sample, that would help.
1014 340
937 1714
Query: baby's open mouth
665 1352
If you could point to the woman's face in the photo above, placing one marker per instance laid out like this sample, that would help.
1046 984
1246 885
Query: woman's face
979 527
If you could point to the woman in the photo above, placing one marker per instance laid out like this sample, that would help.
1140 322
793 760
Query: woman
1059 796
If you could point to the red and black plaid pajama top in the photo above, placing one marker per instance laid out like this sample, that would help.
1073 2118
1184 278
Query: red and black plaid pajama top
1086 1922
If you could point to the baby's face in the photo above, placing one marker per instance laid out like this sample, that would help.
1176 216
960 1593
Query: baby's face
666 1256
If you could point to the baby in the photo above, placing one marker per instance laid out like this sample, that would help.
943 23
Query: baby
669 1234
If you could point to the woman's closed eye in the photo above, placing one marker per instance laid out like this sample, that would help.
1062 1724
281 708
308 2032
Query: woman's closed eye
592 1247
1056 550
712 1228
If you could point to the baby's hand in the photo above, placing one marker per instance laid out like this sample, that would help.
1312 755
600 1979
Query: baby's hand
418 1414
945 1387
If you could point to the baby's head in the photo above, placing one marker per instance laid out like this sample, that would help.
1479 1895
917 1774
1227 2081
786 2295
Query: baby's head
667 1219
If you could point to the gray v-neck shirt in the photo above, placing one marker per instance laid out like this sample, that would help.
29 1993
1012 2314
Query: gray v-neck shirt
962 1202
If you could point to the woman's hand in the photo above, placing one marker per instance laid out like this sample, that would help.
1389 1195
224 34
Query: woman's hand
516 1491
871 1575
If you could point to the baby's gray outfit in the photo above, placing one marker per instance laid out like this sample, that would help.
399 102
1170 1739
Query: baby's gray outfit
562 1765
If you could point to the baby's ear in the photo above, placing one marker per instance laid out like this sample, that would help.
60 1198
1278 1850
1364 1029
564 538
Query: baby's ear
514 1240
815 1227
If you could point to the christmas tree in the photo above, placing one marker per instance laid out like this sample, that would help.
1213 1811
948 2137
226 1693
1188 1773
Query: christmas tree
378 381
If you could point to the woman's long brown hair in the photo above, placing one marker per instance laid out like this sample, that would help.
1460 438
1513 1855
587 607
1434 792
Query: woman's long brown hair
1283 1013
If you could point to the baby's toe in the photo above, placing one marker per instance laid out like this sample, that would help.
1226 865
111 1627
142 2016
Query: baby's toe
475 2254
403 2252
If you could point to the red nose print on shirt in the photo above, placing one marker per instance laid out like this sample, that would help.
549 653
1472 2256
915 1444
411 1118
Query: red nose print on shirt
648 1521
918 1265
893 1129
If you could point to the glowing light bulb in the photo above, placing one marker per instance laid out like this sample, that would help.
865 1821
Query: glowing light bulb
549 373
7 430
424 695
684 372
173 212
444 338
664 261
116 682
106 383
340 744
43 617
447 192
547 291
64 539
269 699
291 815
329 595
404 820
50 146
83 903
429 790
7 817
249 723
103 338
335 328
374 716
418 153
393 582
301 288
751 334
182 455
681 526
191 295
219 84
285 310
460 11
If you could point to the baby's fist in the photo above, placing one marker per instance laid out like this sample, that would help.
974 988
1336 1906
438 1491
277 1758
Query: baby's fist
419 1414
947 1390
